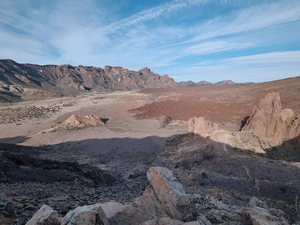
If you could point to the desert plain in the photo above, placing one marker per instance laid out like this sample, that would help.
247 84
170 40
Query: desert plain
45 162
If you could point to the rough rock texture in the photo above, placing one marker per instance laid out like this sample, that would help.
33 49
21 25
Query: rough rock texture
78 122
259 214
170 193
44 216
270 122
119 214
6 207
150 204
87 215
169 221
39 80
202 126
164 200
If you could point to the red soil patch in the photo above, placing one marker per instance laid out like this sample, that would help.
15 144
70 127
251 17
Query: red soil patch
229 104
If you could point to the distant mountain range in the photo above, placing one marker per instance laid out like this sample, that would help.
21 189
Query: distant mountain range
205 83
30 81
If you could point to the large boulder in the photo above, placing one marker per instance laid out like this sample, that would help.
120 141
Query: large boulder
150 204
119 214
170 193
169 221
259 214
203 127
270 122
87 215
44 216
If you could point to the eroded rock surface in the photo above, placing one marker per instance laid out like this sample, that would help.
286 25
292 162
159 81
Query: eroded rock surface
203 127
44 216
78 122
170 193
270 122
165 203
87 215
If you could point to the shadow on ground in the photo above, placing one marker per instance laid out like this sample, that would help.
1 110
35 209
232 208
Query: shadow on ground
201 165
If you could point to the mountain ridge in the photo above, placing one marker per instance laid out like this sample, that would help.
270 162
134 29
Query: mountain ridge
24 81
55 80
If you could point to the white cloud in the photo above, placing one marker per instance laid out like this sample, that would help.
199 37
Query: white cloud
260 67
81 32
270 59
209 47
153 13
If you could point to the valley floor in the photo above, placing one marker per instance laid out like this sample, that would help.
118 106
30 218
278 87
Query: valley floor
68 168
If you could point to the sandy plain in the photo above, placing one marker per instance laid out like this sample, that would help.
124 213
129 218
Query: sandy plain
132 140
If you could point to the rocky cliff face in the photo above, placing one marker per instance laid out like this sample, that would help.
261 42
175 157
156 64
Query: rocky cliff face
270 122
18 79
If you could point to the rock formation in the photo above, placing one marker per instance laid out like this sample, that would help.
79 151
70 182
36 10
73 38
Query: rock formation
164 203
77 122
164 121
166 193
44 216
270 122
202 126
87 215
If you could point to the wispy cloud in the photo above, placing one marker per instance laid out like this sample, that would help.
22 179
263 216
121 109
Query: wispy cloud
209 47
156 12
171 37
259 67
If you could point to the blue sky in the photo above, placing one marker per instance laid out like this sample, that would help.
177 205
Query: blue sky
212 40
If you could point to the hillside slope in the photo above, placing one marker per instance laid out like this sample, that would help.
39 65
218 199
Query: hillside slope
54 80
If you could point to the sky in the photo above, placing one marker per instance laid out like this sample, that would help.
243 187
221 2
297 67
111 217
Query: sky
212 40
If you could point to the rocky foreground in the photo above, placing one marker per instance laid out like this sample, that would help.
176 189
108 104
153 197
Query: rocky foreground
163 202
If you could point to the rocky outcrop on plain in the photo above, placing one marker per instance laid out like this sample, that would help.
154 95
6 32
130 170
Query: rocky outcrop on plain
270 122
29 79
202 126
77 122
165 204
164 121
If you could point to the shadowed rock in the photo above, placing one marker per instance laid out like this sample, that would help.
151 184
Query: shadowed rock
87 215
119 214
44 216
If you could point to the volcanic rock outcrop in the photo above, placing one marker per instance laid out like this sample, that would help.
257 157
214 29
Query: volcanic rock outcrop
272 123
78 122
166 204
203 127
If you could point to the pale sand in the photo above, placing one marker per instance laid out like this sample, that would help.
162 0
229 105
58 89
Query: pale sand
113 106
